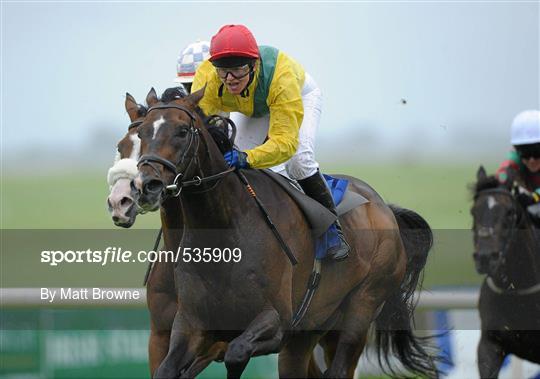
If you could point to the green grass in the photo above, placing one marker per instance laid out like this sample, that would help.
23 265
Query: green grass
74 200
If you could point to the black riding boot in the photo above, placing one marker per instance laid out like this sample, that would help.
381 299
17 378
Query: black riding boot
316 188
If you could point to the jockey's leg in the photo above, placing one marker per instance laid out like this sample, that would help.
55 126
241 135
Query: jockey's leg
315 187
304 168
250 132
263 336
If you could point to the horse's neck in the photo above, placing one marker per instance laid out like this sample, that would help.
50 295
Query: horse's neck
172 222
212 204
523 258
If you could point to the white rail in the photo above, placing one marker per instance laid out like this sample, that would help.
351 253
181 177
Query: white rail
440 299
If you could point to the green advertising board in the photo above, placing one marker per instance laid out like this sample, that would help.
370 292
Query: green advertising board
88 343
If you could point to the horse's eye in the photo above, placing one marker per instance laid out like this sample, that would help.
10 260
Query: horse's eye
182 132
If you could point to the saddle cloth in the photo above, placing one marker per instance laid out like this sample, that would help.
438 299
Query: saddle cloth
318 216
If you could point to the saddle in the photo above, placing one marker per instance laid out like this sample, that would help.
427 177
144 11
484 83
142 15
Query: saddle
318 216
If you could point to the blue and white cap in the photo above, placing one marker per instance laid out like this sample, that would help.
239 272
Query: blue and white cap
189 59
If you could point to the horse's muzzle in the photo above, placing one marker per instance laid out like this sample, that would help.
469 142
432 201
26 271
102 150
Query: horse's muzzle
487 262
121 204
150 192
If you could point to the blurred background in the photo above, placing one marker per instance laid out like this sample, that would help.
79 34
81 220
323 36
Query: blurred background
416 96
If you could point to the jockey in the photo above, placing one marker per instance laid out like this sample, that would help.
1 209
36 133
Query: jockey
278 105
524 160
189 60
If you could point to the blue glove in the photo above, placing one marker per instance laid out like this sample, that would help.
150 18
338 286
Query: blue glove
236 158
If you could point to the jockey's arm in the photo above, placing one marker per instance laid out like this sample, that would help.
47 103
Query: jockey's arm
511 164
286 115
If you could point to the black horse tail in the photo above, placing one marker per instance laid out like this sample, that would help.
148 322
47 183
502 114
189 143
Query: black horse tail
394 325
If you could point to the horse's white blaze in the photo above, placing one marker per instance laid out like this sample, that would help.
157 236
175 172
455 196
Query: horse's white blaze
157 124
135 151
491 202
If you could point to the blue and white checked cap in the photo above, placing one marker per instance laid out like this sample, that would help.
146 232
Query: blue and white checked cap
189 59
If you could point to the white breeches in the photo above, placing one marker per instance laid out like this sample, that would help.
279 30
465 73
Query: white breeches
251 132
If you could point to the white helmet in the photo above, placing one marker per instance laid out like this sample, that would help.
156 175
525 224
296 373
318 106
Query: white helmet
189 59
526 128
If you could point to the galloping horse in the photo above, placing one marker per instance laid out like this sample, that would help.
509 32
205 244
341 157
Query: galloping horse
250 304
508 252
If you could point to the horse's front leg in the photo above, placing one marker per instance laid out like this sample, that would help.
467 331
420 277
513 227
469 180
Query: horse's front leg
215 352
296 359
490 356
185 344
161 300
263 336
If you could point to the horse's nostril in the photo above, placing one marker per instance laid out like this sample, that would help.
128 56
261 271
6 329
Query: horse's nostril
109 205
153 186
115 218
126 201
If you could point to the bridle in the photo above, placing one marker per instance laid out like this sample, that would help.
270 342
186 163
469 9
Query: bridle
515 223
194 142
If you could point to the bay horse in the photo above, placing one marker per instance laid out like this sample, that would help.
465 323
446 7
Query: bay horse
161 295
249 305
507 251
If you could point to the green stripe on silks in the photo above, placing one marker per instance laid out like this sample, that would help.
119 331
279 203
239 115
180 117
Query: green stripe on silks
268 61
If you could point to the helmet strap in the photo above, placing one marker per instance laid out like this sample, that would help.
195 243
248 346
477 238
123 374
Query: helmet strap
245 91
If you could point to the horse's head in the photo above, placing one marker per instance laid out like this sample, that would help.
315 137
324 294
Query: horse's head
496 215
121 201
174 146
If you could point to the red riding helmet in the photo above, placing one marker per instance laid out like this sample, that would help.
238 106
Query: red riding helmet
233 41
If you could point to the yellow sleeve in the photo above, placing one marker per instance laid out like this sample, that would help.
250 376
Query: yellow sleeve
286 115
205 75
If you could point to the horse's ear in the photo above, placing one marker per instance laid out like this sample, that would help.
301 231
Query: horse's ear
481 174
151 98
131 107
195 97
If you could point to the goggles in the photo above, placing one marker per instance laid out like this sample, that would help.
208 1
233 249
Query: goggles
236 72
529 151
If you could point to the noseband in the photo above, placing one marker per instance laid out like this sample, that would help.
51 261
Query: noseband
194 135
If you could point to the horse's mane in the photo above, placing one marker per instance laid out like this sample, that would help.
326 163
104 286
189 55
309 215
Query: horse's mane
173 93
489 182
222 140
141 110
